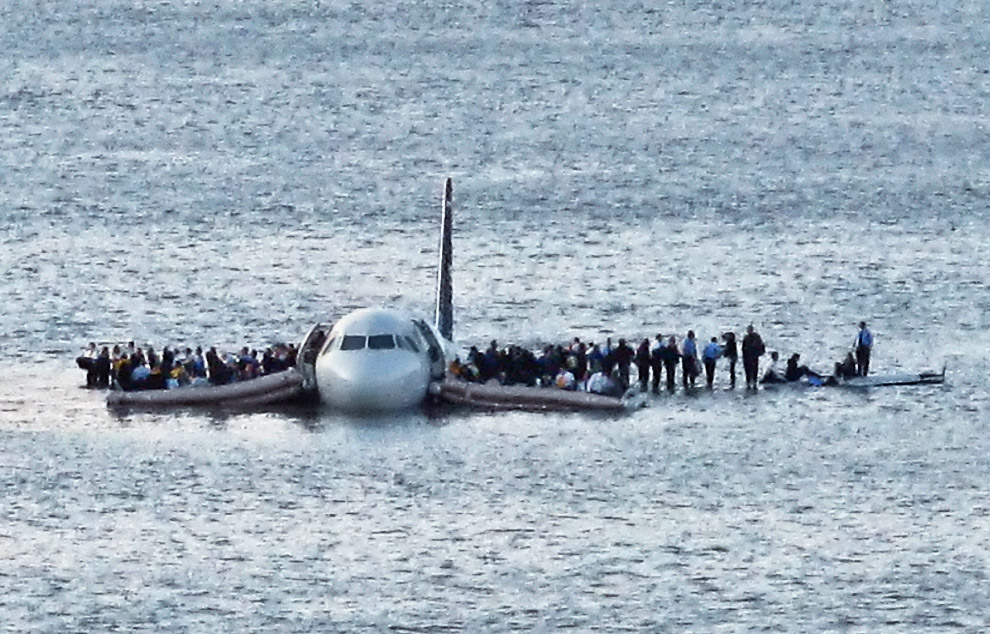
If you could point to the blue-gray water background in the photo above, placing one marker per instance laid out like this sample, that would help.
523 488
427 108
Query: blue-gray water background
227 172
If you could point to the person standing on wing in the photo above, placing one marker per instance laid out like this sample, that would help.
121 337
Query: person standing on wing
752 350
711 354
689 360
670 356
731 352
864 344
656 362
643 364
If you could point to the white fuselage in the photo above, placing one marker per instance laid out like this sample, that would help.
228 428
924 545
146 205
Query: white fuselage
375 359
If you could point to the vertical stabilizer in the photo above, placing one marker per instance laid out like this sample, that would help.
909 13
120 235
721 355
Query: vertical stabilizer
445 286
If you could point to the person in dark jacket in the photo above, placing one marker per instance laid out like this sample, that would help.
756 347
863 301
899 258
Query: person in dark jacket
623 360
168 358
656 362
218 372
731 352
152 358
689 360
864 344
101 366
794 372
846 369
643 364
670 357
88 362
752 350
581 361
490 360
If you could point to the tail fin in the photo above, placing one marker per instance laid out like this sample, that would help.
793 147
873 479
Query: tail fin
445 286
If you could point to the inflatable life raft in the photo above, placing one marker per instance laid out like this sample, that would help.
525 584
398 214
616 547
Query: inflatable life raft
522 398
274 388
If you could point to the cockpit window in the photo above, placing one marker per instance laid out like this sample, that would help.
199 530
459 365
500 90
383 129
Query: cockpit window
329 345
381 342
352 342
411 344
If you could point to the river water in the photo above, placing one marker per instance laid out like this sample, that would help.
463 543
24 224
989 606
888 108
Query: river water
228 172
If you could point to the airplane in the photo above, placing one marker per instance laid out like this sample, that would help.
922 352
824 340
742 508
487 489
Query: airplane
378 359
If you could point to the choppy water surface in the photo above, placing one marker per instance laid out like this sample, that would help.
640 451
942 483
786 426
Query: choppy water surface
228 172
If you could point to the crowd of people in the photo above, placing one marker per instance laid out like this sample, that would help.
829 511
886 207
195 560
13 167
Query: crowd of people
134 368
601 368
604 368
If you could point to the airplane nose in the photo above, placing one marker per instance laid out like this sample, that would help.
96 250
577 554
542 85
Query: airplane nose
370 381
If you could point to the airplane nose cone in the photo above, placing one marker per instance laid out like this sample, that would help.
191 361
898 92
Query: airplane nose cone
372 381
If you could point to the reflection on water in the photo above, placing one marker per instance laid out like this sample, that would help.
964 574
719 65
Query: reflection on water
780 508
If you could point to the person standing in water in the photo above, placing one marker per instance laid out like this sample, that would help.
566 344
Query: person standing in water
864 344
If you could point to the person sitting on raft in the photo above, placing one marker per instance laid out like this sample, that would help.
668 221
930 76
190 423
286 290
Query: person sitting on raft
565 380
140 376
464 371
602 383
177 377
846 369
773 374
794 372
